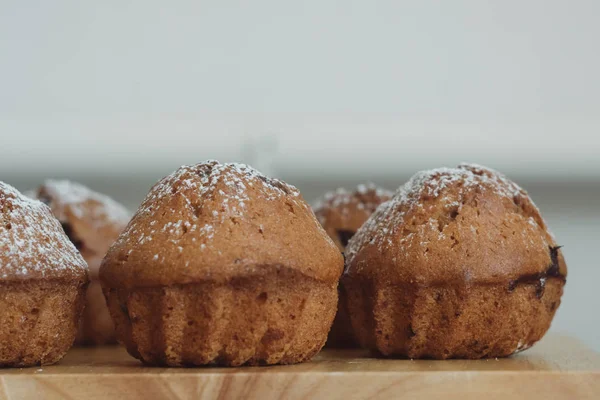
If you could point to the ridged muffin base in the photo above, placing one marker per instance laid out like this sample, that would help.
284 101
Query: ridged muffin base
39 320
274 318
444 321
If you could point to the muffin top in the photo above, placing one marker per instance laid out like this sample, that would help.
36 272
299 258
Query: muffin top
215 221
91 220
461 225
33 244
342 212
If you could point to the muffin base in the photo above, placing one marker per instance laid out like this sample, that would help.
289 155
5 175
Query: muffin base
96 327
39 321
440 322
280 317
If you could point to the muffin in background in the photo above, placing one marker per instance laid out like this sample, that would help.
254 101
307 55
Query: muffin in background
43 279
459 264
92 221
342 213
222 265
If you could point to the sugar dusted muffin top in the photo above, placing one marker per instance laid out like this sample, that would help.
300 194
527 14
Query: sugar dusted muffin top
91 220
215 221
33 244
464 224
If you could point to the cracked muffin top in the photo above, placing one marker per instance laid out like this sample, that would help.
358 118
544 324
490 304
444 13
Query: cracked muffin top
91 220
214 221
33 244
342 212
461 225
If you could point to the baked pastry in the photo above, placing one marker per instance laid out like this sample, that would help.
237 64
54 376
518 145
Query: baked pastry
222 265
42 283
341 213
92 221
459 264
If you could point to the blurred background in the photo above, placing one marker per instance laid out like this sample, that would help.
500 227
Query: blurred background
117 94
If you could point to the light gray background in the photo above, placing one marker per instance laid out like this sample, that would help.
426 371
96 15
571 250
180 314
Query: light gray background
323 93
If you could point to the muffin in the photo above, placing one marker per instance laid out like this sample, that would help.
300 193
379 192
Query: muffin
92 222
222 265
341 213
459 264
42 283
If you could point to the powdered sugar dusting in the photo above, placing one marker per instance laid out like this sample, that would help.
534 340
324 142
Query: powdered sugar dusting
366 196
431 184
32 241
225 185
83 202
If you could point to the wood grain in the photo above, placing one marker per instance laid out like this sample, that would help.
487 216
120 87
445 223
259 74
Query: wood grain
558 367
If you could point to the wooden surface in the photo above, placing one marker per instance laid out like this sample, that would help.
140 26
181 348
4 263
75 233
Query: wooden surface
557 367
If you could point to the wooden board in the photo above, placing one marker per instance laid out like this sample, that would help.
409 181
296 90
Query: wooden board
557 367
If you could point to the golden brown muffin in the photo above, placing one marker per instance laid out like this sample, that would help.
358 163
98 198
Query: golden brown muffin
341 213
459 264
222 265
92 221
42 283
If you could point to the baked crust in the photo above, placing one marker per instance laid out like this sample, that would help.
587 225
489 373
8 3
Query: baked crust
39 320
222 265
474 235
215 222
277 316
440 322
42 282
341 213
32 242
92 221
